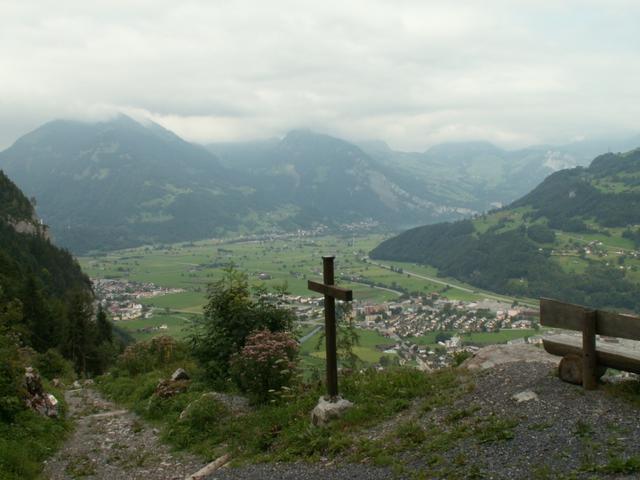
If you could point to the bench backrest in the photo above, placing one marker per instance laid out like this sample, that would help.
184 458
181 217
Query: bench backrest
565 315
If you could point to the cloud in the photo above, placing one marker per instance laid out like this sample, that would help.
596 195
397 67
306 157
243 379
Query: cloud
412 73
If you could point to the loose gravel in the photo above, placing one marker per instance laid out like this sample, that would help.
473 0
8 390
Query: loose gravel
112 444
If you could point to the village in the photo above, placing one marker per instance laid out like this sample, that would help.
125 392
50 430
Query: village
118 297
405 321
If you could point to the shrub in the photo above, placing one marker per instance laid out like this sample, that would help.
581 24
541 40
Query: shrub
11 372
52 364
265 365
146 356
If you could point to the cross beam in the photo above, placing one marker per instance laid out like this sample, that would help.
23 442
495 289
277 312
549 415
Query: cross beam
335 292
330 292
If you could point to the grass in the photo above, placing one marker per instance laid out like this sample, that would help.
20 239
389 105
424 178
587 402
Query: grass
28 441
366 350
178 325
628 390
281 431
479 338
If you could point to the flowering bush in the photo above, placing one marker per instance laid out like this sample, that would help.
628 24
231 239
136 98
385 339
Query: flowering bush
266 365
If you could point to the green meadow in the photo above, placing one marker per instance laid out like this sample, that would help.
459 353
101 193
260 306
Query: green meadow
479 338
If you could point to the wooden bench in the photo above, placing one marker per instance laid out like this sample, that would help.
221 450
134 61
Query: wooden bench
584 359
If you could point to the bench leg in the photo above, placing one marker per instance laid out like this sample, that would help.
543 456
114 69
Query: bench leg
589 358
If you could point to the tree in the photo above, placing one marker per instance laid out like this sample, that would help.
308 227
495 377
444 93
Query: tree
230 316
103 326
79 332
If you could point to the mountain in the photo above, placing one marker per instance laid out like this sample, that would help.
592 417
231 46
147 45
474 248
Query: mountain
120 183
25 250
481 176
37 279
576 237
331 181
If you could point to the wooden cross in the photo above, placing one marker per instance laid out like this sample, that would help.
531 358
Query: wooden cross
331 292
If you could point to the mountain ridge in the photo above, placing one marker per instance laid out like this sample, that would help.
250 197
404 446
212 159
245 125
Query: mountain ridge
571 237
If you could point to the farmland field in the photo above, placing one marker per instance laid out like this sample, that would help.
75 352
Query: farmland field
192 266
479 338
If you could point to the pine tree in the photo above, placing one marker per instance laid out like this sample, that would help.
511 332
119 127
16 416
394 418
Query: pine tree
79 331
105 331
38 318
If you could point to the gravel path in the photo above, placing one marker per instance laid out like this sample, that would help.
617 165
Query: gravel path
301 471
109 444
562 430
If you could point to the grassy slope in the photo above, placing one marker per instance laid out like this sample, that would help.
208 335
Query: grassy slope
281 431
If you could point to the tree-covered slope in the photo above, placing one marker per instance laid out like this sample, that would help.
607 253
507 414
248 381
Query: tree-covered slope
573 237
31 255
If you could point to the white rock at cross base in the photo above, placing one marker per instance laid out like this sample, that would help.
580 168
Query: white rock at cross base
326 410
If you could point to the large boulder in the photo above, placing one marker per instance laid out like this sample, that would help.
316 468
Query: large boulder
492 355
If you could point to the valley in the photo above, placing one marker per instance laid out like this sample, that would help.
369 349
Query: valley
182 272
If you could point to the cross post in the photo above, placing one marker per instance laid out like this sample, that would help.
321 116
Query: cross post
331 292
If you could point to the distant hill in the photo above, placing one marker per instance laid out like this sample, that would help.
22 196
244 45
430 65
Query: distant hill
576 237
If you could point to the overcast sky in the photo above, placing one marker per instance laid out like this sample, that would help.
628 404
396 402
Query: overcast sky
412 73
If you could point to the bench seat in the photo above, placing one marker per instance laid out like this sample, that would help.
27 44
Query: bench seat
608 355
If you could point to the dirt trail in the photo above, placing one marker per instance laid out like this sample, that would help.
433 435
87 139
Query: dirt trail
110 443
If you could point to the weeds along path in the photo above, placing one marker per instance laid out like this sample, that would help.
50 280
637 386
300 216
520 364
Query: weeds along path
110 443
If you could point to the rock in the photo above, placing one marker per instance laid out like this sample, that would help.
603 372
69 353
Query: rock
33 382
37 399
46 405
570 369
87 382
525 396
76 385
57 383
180 374
492 355
169 388
327 410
